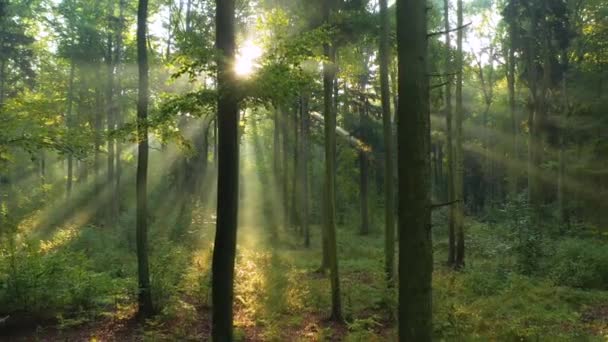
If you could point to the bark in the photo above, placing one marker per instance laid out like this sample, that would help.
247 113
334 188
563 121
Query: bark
228 177
449 142
70 124
304 153
512 114
413 127
458 153
118 117
385 97
144 295
285 167
111 213
363 160
2 81
295 189
330 169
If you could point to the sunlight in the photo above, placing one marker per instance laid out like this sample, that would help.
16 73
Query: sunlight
246 58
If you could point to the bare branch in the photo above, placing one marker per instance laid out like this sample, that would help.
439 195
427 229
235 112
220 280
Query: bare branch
432 34
440 205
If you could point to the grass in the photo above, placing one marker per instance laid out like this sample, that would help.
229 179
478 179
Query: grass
88 275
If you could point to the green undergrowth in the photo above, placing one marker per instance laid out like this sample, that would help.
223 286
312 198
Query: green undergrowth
85 274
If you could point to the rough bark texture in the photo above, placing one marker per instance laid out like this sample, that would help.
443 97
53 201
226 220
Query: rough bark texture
413 127
227 196
144 296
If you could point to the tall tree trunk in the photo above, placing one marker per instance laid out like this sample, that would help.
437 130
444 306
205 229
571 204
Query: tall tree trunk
459 152
188 16
70 124
329 71
294 213
285 167
413 127
2 81
534 121
385 97
511 93
449 134
144 295
227 199
363 159
118 116
110 105
304 153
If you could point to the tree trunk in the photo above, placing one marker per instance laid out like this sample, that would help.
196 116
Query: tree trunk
449 144
285 173
330 171
111 213
69 123
118 117
389 197
294 213
413 127
511 93
363 160
144 295
459 153
304 153
228 177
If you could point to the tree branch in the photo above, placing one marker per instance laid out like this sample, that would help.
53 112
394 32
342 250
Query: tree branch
438 85
432 34
440 205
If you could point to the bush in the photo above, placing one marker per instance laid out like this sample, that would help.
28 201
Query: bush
581 263
52 283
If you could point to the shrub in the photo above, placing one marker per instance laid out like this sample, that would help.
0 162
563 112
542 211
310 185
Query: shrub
579 263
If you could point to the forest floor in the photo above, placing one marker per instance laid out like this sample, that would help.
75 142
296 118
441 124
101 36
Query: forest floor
279 293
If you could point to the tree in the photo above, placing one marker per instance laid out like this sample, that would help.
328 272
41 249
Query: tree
144 293
329 70
449 133
385 97
413 143
459 153
228 156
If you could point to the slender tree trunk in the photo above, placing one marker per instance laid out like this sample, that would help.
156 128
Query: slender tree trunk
304 153
118 111
413 127
387 128
295 189
449 135
188 16
459 153
144 295
330 168
228 177
285 161
70 124
511 93
363 160
110 105
2 81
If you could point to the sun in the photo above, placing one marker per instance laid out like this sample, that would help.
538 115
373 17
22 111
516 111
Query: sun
246 58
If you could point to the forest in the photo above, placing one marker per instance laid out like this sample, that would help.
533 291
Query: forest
303 170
